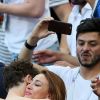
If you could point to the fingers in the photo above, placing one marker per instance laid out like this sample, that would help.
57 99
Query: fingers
95 85
39 52
42 52
41 23
46 19
44 56
39 57
41 29
94 82
43 59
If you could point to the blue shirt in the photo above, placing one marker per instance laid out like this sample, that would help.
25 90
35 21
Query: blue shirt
97 10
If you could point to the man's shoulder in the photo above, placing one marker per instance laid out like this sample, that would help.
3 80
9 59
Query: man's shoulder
62 67
63 70
75 70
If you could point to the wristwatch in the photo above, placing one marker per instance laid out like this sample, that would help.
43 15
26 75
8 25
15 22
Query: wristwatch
29 46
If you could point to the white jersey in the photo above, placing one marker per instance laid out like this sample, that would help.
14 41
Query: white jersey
77 87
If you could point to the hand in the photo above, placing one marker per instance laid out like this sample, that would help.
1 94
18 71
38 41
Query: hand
96 86
46 56
41 29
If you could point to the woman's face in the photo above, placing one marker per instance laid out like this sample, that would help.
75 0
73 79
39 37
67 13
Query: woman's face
38 88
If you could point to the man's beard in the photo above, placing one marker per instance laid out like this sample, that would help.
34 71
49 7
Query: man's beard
94 61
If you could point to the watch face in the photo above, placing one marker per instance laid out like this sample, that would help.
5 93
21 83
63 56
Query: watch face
78 2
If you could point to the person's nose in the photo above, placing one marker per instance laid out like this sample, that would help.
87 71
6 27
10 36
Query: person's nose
29 86
30 81
86 47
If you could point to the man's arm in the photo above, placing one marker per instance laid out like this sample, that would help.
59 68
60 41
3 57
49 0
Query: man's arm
67 57
65 52
70 59
49 56
64 45
31 8
63 11
40 31
26 54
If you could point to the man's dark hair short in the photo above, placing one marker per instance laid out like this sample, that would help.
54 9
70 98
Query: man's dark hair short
88 25
16 71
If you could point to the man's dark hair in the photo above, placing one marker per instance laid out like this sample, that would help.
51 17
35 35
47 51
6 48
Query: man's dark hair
88 25
16 71
78 2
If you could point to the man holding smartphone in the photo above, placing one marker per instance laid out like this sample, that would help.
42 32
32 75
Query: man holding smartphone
67 54
88 53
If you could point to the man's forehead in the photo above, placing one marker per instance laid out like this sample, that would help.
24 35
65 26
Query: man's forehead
89 36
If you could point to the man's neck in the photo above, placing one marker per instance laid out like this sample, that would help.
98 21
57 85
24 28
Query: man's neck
17 90
91 2
14 92
89 73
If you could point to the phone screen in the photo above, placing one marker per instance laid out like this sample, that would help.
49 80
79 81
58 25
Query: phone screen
60 27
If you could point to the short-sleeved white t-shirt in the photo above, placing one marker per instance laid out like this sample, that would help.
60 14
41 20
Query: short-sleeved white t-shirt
77 87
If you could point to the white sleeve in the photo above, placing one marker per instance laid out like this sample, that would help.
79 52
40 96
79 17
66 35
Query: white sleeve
59 70
66 73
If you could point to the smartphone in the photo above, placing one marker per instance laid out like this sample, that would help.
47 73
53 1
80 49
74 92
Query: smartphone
60 27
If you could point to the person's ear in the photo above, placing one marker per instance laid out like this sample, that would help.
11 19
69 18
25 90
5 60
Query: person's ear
28 79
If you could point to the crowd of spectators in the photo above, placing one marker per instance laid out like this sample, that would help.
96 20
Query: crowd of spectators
63 63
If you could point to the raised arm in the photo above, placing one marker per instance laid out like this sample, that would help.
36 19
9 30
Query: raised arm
40 31
30 8
61 12
67 58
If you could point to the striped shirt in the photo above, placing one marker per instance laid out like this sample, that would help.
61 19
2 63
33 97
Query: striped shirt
5 55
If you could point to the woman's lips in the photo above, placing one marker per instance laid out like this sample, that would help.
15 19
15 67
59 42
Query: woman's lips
27 93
